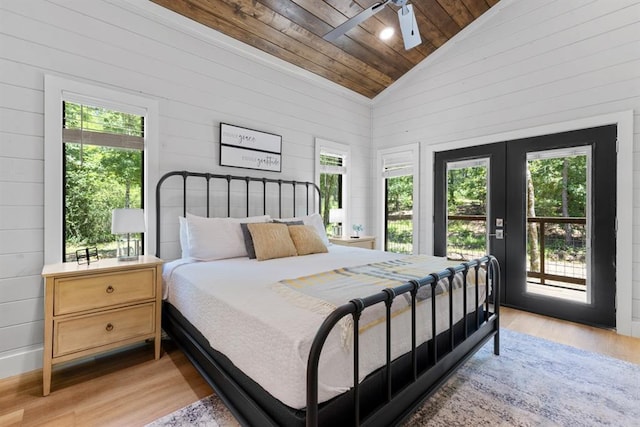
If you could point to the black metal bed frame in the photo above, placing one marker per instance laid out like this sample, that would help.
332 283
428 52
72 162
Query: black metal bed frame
429 364
208 177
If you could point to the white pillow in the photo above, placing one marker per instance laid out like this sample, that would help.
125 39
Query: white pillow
217 238
314 220
184 237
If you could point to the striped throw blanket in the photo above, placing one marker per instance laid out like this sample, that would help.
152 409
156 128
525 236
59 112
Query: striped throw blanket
322 293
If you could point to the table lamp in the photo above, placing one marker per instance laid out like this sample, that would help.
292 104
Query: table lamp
336 217
125 222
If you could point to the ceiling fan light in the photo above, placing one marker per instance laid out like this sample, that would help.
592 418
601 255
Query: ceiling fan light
387 33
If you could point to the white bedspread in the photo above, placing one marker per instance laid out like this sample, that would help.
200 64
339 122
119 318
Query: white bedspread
232 304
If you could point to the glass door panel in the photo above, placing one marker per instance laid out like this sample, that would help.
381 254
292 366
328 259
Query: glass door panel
467 231
557 234
469 204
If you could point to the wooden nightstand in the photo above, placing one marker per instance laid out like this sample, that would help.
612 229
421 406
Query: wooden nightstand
367 242
92 308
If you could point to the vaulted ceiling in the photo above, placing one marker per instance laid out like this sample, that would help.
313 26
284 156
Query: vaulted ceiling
293 31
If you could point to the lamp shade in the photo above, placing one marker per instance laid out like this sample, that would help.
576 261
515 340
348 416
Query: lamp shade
336 215
127 221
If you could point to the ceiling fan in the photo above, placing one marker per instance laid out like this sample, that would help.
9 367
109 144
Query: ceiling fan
406 18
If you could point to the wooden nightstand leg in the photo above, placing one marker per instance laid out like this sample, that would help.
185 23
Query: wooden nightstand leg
47 351
46 379
158 313
157 344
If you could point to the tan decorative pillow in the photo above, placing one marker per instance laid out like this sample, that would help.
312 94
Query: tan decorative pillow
271 241
306 240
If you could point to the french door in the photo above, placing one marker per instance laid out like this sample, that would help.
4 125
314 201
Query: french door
549 217
469 208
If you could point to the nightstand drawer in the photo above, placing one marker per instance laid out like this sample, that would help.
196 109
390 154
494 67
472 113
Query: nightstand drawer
95 330
75 294
367 244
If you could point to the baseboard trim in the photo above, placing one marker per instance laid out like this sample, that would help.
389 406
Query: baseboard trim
20 361
635 328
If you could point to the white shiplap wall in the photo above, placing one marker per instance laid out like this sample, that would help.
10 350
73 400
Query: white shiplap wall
527 64
199 78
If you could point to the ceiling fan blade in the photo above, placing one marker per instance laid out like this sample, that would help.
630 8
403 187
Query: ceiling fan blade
356 20
409 27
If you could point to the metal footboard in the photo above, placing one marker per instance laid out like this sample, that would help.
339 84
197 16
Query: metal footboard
401 403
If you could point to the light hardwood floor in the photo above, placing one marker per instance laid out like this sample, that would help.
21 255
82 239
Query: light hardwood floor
132 389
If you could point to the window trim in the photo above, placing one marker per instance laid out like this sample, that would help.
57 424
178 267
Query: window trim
58 89
413 151
323 146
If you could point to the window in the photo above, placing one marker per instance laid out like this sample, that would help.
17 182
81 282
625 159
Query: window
332 165
330 184
82 122
399 175
103 170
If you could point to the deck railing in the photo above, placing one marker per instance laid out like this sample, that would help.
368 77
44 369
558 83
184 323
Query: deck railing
467 237
561 247
399 232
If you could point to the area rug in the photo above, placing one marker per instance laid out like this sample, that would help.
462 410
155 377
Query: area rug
533 382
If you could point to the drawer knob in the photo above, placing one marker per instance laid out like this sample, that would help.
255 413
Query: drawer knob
109 327
110 289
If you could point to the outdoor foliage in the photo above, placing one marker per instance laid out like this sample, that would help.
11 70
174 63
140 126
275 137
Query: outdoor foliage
98 178
467 191
557 189
467 195
400 194
551 178
400 236
99 119
330 184
400 214
331 194
554 177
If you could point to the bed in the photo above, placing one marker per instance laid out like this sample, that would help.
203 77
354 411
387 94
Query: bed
281 349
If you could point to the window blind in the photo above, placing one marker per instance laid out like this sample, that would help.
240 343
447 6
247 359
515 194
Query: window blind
85 124
332 163
397 164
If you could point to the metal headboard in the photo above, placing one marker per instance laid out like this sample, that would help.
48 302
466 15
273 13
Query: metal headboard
289 185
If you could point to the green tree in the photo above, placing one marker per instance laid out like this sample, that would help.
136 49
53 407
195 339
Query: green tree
557 176
467 191
400 194
125 168
556 187
399 206
532 228
99 178
330 190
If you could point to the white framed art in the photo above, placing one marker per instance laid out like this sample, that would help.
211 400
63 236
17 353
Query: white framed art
250 149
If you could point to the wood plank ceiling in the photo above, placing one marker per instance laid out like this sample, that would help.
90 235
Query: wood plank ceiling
292 30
